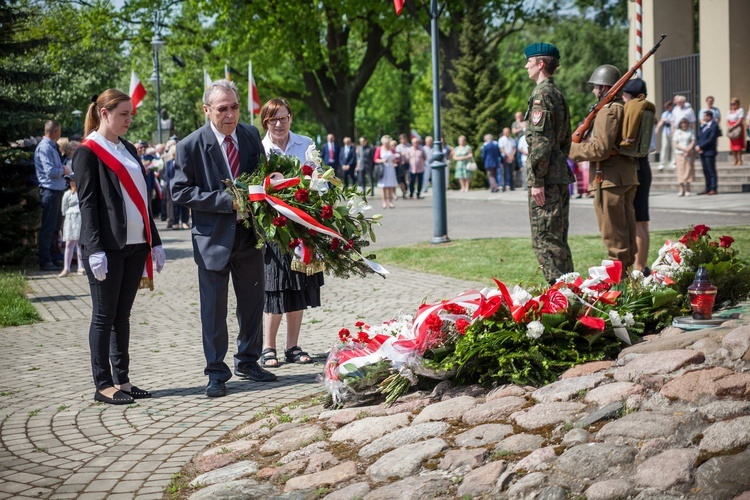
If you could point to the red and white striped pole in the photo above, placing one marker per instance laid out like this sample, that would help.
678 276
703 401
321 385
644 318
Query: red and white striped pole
638 32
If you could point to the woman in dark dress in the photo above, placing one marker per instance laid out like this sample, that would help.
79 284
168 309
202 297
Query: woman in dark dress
288 292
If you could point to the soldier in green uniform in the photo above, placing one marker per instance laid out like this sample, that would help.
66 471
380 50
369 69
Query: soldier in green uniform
616 177
547 173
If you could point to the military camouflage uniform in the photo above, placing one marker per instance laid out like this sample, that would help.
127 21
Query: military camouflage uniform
548 135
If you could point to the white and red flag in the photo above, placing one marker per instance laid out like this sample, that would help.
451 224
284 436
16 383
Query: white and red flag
137 91
253 99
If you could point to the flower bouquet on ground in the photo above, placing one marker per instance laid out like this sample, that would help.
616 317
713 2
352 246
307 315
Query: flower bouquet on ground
501 334
308 213
680 260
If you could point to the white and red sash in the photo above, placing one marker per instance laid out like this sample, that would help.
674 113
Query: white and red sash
127 182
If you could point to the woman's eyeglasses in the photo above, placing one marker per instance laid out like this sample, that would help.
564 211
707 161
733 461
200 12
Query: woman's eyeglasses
281 119
224 109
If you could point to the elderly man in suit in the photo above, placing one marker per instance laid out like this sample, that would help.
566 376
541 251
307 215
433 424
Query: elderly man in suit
329 153
348 162
222 246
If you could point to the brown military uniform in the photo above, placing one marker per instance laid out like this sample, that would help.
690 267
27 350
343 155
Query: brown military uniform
613 200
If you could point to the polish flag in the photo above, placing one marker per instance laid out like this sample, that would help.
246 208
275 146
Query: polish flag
253 99
399 4
137 91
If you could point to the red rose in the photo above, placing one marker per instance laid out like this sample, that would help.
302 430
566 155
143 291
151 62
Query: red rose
312 232
462 325
334 244
307 170
279 221
294 243
593 322
726 241
701 230
684 240
344 334
302 195
349 245
434 322
454 309
326 212
362 337
359 324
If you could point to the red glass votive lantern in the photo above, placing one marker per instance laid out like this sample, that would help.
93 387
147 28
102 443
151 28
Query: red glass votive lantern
702 295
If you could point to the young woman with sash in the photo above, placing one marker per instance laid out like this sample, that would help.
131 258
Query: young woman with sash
119 241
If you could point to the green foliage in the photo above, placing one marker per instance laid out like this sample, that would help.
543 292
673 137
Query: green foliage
729 272
478 98
15 309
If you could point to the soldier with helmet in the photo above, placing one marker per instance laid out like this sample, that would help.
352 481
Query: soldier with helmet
616 177
547 173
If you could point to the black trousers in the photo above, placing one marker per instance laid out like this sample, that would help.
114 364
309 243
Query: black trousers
415 180
246 268
112 300
709 171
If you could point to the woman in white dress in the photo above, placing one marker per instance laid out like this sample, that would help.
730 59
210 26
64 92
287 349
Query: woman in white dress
71 227
388 181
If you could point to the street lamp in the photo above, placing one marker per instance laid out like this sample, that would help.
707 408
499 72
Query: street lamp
77 113
157 43
439 213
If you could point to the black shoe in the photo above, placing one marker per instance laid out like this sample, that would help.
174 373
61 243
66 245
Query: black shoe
136 393
253 371
216 389
50 266
118 398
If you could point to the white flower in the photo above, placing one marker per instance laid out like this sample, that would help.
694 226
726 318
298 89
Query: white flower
318 183
628 318
637 275
568 277
312 154
520 296
357 205
569 294
614 317
535 329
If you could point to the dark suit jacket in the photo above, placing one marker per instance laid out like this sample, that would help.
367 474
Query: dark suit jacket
325 155
199 170
707 136
350 159
103 220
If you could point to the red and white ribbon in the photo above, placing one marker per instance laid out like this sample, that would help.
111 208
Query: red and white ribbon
277 182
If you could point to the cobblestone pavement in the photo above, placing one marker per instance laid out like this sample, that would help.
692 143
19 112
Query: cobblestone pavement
55 442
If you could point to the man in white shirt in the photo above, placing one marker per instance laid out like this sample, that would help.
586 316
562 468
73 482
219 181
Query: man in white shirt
508 149
682 109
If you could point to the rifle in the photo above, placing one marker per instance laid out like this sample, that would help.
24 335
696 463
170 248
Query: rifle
583 129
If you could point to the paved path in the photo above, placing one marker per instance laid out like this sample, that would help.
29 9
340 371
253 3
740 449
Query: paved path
55 442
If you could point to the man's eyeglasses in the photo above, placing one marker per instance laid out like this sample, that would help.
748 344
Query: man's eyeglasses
224 109
281 119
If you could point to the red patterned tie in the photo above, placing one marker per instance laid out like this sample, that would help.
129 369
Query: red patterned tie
233 156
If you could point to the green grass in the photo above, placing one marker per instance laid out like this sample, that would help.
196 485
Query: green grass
512 261
15 309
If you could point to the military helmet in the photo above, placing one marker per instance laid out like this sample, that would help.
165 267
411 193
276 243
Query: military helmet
606 74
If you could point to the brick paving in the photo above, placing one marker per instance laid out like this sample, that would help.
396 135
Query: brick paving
56 442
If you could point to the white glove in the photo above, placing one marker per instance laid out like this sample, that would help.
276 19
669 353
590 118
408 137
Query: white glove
158 255
98 264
